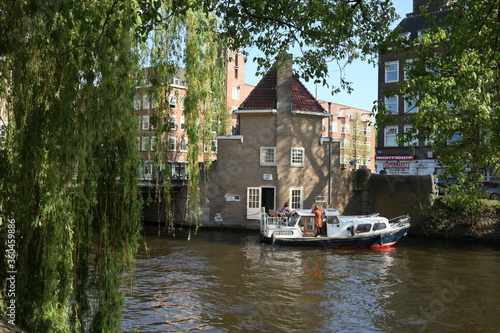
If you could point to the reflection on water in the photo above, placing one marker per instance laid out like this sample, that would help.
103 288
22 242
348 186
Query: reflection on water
225 281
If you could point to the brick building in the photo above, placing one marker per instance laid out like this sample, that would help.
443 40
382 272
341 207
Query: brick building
357 133
417 158
177 140
279 153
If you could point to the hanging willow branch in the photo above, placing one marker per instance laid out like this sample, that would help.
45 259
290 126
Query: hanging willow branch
70 163
188 42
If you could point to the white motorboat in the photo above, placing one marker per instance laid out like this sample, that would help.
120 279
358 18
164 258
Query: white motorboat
340 231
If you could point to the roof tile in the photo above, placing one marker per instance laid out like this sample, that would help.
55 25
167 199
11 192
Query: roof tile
263 96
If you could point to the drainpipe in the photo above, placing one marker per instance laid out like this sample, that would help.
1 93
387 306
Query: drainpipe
329 155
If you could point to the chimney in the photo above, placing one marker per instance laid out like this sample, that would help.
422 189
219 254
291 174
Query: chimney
284 84
434 5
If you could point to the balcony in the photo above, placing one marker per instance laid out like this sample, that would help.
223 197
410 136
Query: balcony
152 176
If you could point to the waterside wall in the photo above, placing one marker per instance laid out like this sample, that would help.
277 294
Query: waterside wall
355 192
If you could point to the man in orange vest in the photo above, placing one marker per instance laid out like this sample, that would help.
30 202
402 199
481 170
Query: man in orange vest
318 220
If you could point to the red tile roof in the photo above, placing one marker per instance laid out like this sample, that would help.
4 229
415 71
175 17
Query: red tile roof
263 96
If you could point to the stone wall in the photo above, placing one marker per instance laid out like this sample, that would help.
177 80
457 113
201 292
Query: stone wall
389 195
353 193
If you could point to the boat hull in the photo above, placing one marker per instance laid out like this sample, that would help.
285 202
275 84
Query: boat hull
381 240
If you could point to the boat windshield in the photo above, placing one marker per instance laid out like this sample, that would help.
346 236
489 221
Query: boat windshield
332 219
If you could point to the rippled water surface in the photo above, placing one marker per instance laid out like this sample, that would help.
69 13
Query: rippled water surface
226 281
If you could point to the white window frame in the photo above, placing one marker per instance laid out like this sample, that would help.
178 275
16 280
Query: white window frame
345 129
145 143
391 68
334 126
236 93
407 128
368 131
183 144
145 101
296 197
152 143
172 119
410 106
183 103
147 170
391 136
264 160
183 124
392 104
172 100
405 35
297 157
344 144
172 143
137 102
145 122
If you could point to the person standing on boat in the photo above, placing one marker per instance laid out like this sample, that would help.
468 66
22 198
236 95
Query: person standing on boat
318 220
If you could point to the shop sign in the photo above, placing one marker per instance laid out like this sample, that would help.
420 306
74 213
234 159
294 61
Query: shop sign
395 158
396 164
398 171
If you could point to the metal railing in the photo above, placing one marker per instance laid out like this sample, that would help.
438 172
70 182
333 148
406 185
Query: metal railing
276 221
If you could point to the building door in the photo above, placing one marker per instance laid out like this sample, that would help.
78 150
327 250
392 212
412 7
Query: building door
268 198
253 203
258 198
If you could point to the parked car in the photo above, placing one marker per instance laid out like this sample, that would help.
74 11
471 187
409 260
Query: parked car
444 184
491 189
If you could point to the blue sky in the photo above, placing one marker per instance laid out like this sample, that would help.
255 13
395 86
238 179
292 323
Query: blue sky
362 75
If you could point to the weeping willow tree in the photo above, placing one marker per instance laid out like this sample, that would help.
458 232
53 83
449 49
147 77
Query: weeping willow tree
69 165
70 161
189 42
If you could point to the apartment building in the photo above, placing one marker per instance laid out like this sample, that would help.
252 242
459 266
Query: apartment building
356 132
177 140
416 158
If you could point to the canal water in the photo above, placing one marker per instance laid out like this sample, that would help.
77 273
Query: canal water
226 281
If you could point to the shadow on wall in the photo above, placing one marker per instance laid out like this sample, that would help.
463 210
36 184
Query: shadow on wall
389 195
353 193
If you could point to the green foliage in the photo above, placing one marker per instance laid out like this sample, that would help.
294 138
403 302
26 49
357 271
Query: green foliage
435 217
70 178
324 31
448 213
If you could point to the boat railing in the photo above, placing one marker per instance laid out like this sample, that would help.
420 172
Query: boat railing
276 221
279 221
399 221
